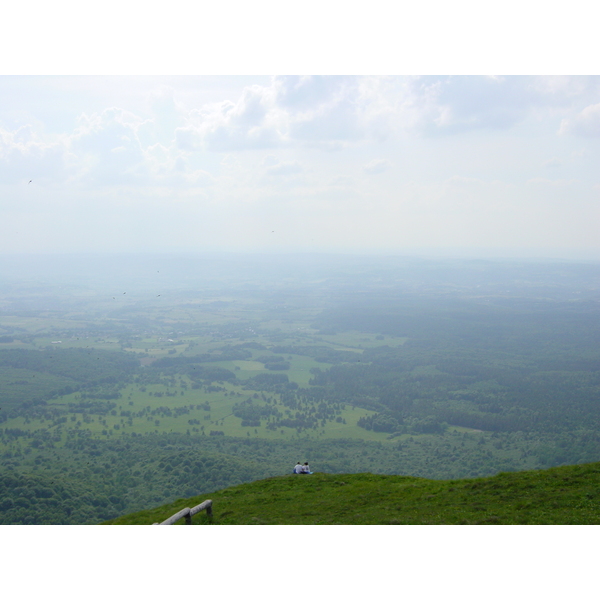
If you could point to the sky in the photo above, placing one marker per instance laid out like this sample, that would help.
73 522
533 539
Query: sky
452 164
300 163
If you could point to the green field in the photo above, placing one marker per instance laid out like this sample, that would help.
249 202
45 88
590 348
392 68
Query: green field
203 329
175 393
559 496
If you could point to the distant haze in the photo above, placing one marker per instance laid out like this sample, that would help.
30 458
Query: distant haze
441 166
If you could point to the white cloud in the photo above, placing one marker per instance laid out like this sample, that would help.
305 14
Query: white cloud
564 88
551 182
376 166
103 150
24 156
285 168
451 105
327 112
252 122
584 124
270 160
170 166
458 180
553 163
108 149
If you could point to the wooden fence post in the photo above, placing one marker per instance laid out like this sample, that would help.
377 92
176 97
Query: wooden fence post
188 513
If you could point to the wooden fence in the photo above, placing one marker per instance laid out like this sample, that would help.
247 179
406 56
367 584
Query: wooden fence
188 513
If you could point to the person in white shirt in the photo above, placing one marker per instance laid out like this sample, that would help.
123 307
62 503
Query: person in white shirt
298 468
305 469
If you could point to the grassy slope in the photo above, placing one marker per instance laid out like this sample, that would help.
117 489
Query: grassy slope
562 495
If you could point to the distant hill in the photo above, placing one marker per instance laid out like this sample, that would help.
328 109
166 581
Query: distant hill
561 495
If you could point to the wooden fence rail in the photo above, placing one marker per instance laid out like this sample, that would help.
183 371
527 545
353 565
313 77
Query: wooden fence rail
188 513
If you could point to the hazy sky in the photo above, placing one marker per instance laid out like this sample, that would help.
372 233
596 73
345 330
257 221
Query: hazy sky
324 163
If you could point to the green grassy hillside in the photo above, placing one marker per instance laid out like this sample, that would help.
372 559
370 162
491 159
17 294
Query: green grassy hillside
562 495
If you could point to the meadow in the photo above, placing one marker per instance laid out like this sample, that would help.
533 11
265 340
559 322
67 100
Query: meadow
559 496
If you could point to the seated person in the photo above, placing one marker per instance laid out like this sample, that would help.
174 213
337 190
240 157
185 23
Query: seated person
297 468
305 469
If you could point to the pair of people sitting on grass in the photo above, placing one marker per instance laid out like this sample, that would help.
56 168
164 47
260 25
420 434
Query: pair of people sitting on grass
302 469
